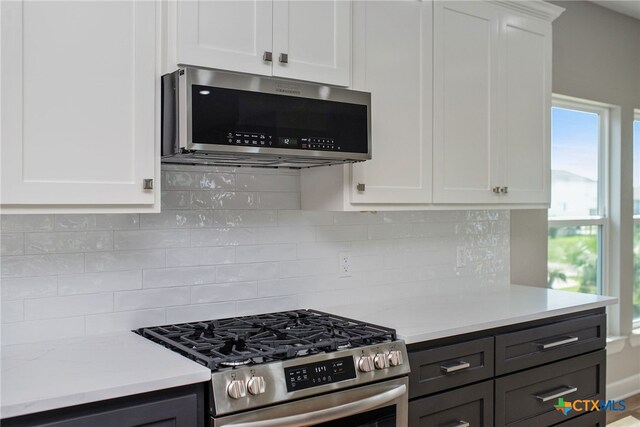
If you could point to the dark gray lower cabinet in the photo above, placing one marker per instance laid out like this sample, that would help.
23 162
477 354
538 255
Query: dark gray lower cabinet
178 407
528 397
511 376
470 406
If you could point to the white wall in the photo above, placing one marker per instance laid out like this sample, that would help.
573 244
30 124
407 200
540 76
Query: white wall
596 56
227 242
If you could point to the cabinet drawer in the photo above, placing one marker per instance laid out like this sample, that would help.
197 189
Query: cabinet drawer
472 404
528 398
450 366
590 419
532 347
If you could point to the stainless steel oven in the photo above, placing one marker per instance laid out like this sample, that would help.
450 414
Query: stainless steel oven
383 404
296 368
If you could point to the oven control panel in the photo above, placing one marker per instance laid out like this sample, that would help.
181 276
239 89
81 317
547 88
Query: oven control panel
319 373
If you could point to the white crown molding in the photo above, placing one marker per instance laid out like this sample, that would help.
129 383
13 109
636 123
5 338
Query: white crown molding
536 8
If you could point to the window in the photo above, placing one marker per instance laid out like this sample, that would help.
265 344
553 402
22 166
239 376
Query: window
578 214
636 220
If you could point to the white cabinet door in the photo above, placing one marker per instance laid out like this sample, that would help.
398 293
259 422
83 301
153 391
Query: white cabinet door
465 108
392 59
526 82
229 35
315 37
79 83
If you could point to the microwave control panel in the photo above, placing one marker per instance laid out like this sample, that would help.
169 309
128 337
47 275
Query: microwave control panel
253 139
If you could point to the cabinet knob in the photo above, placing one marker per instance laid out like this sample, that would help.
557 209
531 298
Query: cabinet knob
496 190
147 184
283 58
360 187
504 190
267 56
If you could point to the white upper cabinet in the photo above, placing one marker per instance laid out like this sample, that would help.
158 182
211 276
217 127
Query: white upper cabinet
492 104
79 87
392 60
303 40
465 107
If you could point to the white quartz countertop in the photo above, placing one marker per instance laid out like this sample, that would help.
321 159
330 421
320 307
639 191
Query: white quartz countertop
55 374
428 316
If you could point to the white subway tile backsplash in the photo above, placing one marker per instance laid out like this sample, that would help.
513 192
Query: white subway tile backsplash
67 306
178 276
28 287
21 223
12 244
262 253
195 312
124 260
296 218
223 200
245 218
247 272
229 241
177 219
223 292
147 239
124 320
186 257
12 311
150 298
41 265
76 241
341 233
91 283
275 200
224 236
261 182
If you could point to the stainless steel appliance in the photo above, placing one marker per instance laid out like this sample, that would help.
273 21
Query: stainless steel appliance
222 118
296 368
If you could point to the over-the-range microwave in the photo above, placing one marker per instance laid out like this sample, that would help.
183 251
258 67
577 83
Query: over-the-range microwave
221 118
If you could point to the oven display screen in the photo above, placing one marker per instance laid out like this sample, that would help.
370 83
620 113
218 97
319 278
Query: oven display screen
319 373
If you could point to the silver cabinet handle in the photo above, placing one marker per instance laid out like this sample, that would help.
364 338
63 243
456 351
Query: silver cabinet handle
552 395
459 423
504 190
267 56
448 368
360 187
567 340
496 190
330 414
283 58
147 184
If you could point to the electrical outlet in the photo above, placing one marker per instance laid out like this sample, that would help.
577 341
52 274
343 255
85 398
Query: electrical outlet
344 260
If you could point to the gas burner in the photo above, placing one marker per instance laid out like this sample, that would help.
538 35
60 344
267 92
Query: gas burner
252 340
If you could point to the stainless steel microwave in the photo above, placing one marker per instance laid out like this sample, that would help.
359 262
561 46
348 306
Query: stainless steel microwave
221 118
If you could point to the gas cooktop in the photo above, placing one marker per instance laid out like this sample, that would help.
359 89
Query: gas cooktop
264 338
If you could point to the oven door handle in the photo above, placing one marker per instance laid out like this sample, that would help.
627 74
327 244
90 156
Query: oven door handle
329 414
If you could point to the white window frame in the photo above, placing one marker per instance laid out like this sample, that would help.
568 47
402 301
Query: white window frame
636 220
602 218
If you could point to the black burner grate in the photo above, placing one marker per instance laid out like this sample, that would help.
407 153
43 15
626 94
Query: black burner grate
263 338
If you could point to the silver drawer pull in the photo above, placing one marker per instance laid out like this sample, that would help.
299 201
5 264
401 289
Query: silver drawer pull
448 368
552 395
567 340
459 423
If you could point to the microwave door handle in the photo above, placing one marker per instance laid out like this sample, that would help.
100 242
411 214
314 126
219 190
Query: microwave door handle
329 414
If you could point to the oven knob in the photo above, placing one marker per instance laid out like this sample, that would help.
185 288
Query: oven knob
380 361
395 358
256 385
237 389
365 364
